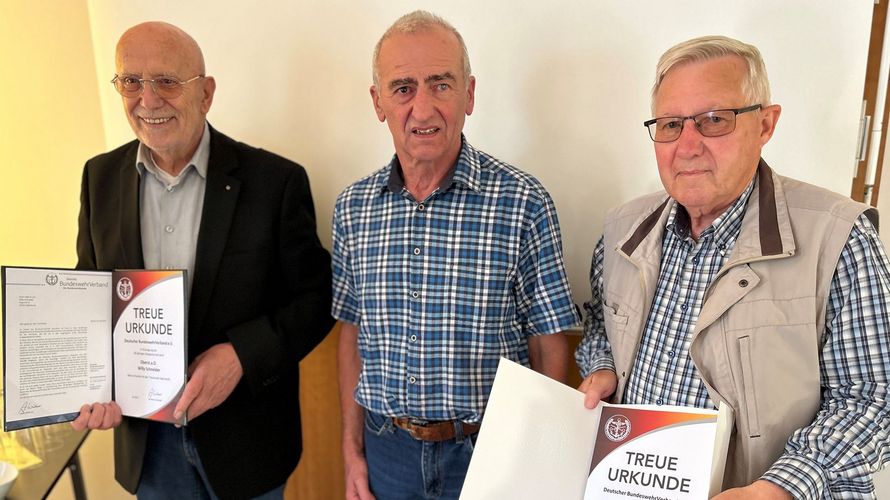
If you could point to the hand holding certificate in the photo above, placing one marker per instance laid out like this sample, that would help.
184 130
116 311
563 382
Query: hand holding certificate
668 452
539 441
74 337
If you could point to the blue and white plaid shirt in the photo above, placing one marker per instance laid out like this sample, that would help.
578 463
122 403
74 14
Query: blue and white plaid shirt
443 287
834 456
663 370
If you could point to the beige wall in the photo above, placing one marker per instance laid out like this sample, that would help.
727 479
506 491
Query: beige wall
50 124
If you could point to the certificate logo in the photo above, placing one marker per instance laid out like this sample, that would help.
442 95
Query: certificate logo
617 428
124 288
52 279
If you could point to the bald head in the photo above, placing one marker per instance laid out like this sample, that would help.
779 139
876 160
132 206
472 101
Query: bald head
170 124
162 37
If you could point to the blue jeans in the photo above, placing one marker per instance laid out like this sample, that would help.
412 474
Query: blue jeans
401 467
172 469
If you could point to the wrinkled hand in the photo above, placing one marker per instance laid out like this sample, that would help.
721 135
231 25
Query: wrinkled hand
356 472
98 416
597 386
758 490
213 376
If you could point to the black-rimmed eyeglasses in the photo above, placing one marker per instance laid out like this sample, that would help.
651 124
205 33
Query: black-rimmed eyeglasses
709 124
166 87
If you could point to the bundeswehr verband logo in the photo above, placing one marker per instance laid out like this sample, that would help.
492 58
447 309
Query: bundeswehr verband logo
52 279
124 288
617 428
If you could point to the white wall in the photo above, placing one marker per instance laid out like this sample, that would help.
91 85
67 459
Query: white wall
562 86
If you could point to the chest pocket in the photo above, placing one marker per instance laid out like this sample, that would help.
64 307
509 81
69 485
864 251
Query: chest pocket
480 292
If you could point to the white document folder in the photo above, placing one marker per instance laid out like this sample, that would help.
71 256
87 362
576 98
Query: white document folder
537 440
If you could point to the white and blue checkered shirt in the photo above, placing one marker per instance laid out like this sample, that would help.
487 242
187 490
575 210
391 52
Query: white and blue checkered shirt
443 287
833 456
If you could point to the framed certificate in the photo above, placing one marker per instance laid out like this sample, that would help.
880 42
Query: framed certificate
76 337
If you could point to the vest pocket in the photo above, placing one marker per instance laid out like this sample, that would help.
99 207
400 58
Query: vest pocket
750 390
615 319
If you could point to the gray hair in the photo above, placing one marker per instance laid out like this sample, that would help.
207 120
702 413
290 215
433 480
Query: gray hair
417 22
755 84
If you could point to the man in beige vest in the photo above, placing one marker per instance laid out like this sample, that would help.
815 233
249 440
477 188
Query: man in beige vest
740 286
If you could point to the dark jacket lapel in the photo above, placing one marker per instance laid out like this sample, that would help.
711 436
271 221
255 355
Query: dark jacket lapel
129 223
220 200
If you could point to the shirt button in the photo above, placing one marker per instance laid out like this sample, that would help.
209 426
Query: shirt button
415 294
670 354
683 307
169 189
412 379
743 283
421 207
659 401
416 251
695 260
413 338
168 229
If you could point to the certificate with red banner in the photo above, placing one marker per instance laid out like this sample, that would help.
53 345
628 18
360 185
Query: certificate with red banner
539 441
76 337
149 316
663 452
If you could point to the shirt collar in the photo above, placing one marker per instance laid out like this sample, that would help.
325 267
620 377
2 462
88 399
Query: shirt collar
466 171
678 219
200 161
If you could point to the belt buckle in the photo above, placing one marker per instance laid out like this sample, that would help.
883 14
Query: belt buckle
414 428
409 425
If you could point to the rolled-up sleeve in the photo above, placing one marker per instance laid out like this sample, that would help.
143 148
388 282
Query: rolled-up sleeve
594 352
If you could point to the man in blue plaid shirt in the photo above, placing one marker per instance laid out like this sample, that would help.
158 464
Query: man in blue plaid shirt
743 287
445 260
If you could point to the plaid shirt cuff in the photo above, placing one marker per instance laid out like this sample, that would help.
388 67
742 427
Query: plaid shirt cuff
801 477
604 362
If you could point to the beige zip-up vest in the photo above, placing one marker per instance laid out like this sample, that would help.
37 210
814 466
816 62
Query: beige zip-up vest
757 340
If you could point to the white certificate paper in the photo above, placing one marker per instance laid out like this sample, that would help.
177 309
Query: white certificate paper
648 451
70 338
149 318
56 344
539 441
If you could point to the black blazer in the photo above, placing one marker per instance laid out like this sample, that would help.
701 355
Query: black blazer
261 281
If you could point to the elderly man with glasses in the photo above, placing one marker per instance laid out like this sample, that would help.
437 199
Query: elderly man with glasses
241 221
741 286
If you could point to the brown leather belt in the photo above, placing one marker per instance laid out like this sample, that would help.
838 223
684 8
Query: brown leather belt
434 431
